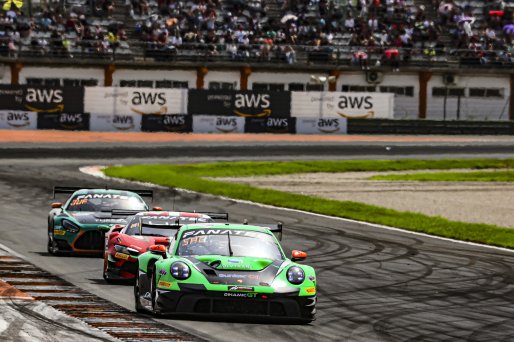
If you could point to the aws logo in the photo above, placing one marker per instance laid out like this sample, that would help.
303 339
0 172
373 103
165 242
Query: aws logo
18 120
71 121
174 123
277 125
247 104
44 97
328 125
123 122
148 99
226 125
353 103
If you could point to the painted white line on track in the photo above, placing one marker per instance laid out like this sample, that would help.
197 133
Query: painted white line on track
97 171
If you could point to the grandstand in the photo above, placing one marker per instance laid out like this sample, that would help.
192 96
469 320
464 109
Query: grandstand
309 32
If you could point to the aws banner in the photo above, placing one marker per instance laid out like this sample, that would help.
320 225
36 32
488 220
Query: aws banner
248 104
42 99
342 105
167 123
318 125
64 121
128 101
270 125
218 124
16 119
117 122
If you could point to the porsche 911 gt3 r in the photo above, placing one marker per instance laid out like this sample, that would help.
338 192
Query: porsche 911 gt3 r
80 223
226 270
125 244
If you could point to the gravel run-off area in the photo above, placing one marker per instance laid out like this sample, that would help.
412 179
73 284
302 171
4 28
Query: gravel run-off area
482 202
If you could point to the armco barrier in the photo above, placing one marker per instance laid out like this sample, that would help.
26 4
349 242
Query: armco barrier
380 126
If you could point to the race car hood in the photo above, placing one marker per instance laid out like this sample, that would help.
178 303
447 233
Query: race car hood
137 242
237 270
91 217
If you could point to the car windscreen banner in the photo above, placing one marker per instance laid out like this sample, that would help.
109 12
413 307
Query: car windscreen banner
342 105
254 104
63 121
167 123
270 125
329 126
128 101
40 99
218 124
17 119
115 123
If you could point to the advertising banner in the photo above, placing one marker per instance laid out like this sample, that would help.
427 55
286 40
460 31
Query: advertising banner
124 123
64 121
16 119
167 123
254 104
42 98
270 125
128 101
218 124
342 105
321 125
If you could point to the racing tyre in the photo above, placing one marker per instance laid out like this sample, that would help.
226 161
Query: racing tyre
138 306
153 291
104 273
52 247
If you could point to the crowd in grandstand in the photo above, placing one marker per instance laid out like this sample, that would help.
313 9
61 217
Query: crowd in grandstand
378 31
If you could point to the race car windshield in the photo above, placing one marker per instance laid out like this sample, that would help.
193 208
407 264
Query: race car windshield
147 230
105 202
216 242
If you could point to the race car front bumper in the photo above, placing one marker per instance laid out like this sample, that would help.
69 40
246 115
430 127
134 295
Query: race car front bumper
195 299
121 268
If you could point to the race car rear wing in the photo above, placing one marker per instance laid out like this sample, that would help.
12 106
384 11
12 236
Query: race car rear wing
72 189
214 216
275 228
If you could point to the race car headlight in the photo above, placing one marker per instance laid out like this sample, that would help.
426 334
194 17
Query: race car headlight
70 227
121 249
180 270
295 275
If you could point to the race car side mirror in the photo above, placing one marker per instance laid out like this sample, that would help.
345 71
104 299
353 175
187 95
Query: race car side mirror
158 250
157 209
298 256
56 205
162 241
117 228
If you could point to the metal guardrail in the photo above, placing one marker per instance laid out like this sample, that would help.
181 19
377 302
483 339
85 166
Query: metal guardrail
200 52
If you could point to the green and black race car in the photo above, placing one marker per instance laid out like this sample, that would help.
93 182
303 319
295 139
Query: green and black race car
227 270
79 225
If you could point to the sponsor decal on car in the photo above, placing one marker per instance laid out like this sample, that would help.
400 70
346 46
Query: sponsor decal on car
59 232
163 283
240 294
121 256
112 196
163 272
310 290
234 261
240 288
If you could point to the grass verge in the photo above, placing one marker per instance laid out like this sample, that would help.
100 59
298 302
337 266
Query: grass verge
491 176
190 176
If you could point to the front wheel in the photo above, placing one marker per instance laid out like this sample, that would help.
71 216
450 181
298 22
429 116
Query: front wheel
52 247
139 308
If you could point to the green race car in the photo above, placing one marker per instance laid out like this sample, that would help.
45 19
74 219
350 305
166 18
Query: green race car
226 270
79 225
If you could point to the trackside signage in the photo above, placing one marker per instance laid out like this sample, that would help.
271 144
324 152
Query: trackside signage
342 105
218 124
323 125
270 125
247 104
42 99
63 121
116 122
141 101
15 119
167 123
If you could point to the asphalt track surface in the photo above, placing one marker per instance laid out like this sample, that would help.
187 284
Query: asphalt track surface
374 284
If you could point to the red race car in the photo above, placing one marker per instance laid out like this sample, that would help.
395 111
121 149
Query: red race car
123 244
